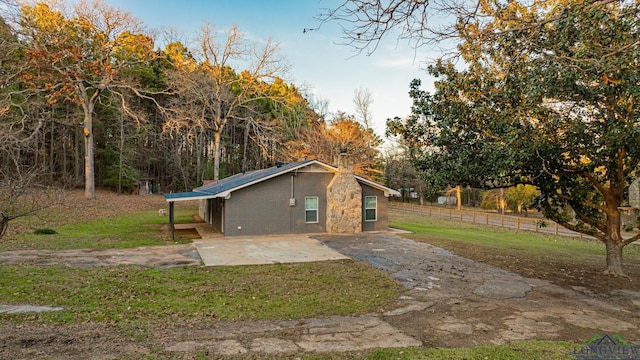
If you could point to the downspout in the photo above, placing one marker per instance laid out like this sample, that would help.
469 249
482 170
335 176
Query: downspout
291 206
222 221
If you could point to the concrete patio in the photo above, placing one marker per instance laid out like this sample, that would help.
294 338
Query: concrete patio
217 250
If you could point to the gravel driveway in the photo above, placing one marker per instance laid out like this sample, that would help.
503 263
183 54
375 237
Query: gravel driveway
454 301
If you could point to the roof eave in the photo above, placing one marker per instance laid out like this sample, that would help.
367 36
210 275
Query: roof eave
387 191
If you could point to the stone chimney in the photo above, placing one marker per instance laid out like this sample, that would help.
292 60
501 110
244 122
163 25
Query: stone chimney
344 201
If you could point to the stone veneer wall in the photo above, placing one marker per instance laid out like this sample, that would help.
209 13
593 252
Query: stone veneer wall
344 203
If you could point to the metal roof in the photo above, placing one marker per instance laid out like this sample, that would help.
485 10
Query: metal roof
241 180
185 196
224 187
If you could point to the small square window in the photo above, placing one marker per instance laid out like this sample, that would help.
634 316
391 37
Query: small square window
370 208
311 209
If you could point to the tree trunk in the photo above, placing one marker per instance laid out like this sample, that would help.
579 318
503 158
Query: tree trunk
459 197
89 165
613 242
77 172
244 146
51 152
198 145
4 224
614 258
216 155
121 154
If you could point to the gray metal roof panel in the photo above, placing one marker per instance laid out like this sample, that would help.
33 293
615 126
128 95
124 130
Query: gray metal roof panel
186 196
239 180
224 186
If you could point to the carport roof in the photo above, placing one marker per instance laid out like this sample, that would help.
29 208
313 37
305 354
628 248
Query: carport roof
183 196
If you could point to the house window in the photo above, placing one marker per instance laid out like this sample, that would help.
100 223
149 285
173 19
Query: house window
370 208
311 209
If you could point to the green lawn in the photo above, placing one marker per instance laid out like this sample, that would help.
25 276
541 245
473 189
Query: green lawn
126 230
519 350
134 293
493 238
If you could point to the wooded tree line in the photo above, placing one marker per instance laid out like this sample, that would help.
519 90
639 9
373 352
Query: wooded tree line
88 99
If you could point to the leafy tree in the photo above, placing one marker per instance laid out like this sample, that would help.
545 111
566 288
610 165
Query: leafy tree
81 57
548 98
400 174
493 200
521 197
343 135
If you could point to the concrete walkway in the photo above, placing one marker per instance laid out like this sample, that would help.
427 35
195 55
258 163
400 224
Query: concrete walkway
316 335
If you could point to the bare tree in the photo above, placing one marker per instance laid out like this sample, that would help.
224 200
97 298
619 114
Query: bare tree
211 92
365 23
21 194
362 100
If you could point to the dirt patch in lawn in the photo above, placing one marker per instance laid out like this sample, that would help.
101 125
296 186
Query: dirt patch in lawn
153 256
190 234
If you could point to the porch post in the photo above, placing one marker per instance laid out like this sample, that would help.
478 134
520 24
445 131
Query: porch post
171 222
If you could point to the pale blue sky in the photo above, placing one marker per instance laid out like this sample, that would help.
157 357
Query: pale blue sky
329 70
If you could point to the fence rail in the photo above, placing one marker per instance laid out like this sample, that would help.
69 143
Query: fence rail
482 217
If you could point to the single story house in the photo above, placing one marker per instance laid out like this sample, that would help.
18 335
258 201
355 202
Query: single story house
295 198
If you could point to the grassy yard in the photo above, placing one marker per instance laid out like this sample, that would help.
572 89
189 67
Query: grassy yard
519 350
139 299
133 293
125 230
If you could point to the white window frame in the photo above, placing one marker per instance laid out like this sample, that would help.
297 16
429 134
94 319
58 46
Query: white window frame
375 208
316 210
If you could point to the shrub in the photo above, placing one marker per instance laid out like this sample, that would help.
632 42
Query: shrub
45 231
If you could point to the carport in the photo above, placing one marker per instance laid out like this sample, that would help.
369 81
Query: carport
185 196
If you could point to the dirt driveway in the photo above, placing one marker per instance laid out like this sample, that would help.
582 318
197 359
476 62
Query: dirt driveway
454 301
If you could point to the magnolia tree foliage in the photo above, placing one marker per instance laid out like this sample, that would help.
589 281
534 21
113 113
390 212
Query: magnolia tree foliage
547 97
